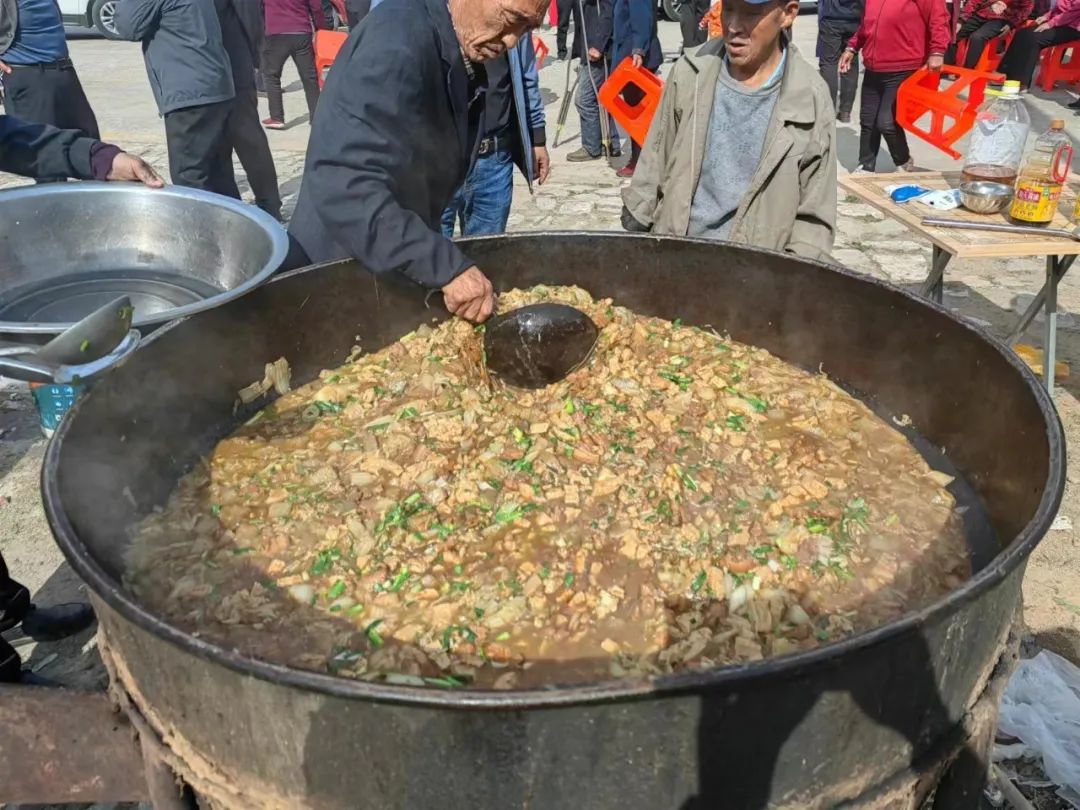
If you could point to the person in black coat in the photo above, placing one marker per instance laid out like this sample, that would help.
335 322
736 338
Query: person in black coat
398 128
241 34
191 77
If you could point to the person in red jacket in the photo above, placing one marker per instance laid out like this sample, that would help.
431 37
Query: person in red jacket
1061 24
896 38
982 20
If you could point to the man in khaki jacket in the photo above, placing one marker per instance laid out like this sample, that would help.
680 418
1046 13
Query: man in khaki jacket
743 147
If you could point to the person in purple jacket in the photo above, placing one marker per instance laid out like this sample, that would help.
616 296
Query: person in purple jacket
290 25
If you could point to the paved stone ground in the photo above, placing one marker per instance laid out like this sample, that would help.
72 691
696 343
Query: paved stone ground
577 197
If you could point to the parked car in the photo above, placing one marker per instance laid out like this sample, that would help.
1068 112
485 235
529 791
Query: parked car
91 14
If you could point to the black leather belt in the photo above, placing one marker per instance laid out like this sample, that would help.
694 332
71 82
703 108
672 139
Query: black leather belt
489 146
59 64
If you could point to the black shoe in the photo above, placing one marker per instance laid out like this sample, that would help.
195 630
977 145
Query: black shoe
1075 105
563 56
57 622
844 117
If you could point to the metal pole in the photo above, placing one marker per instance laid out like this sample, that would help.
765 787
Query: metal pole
568 95
1050 338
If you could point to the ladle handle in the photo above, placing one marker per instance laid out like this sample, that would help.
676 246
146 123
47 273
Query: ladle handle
19 368
8 349
36 371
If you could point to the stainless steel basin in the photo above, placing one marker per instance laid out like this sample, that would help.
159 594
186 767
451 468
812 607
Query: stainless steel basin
68 248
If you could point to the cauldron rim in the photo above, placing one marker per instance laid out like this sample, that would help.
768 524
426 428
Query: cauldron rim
625 689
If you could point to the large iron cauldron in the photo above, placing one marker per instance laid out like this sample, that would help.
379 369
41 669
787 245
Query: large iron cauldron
805 730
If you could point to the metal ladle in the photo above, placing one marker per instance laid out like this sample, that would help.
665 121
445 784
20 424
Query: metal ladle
100 341
539 344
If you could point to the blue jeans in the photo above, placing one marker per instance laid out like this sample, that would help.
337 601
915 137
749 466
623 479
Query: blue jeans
482 205
589 110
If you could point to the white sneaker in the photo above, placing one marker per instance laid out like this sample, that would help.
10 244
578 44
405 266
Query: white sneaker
907 167
860 170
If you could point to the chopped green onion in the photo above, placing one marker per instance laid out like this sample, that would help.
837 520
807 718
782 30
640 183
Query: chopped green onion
372 633
336 590
699 582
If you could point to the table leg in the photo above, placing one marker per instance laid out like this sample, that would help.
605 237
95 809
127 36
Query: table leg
1050 337
1046 299
1063 264
934 286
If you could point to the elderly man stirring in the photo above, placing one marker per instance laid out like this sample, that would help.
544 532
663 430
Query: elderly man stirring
399 125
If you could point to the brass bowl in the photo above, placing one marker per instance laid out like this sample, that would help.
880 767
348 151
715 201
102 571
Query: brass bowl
984 197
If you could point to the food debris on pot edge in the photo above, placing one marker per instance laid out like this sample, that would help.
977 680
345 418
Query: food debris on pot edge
683 501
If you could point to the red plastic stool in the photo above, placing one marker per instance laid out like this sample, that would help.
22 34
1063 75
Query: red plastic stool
541 49
951 109
634 118
992 54
1059 63
327 44
553 14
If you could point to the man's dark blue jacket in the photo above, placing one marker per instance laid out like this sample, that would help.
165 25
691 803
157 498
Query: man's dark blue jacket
634 31
393 139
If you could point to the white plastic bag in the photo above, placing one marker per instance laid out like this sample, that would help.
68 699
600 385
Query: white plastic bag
1041 707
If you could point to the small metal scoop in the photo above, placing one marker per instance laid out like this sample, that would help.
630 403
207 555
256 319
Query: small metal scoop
538 345
100 341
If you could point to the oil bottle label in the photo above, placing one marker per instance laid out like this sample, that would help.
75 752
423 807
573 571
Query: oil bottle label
1035 201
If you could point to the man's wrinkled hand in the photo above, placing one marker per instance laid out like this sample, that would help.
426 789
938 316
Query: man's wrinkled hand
638 60
5 67
470 296
998 7
845 60
133 169
543 164
935 62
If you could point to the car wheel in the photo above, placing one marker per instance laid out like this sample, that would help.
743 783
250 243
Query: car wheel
103 13
671 9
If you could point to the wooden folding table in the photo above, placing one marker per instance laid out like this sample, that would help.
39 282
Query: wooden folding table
1059 253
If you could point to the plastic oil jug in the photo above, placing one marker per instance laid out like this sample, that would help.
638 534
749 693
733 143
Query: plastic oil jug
1045 171
998 138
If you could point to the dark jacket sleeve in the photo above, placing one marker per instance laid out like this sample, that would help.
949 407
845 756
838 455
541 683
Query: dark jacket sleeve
137 20
605 25
642 16
39 150
358 163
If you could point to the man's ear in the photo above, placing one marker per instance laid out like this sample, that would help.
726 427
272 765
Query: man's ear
791 13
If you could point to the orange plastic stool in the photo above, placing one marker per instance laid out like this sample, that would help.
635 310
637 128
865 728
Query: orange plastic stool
327 45
634 118
541 51
1059 63
951 109
992 54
